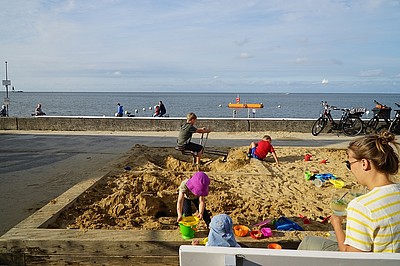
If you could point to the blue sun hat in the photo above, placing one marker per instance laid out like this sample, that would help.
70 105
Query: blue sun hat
221 232
198 184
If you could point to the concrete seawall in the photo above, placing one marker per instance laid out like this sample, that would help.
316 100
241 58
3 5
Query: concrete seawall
153 124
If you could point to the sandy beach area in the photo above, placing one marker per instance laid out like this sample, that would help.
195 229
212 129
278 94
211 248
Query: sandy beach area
69 157
141 193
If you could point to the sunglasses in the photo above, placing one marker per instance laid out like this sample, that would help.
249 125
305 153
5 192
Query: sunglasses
348 164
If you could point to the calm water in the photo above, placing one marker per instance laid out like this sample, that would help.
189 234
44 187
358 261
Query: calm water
276 105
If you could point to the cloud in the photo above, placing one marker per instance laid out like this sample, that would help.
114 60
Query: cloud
245 55
241 43
336 62
117 73
371 73
174 40
301 60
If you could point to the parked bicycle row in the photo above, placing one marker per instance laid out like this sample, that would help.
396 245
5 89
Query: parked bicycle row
351 124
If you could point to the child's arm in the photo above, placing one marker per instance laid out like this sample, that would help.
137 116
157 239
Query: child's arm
202 204
275 157
179 205
203 130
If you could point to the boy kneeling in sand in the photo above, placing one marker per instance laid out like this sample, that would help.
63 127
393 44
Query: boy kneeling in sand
185 136
260 150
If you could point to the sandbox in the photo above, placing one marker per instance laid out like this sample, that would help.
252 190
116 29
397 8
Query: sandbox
127 216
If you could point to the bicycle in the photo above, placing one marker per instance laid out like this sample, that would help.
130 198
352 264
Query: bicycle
350 122
381 112
395 125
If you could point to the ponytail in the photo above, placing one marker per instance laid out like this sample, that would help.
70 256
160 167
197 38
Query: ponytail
379 149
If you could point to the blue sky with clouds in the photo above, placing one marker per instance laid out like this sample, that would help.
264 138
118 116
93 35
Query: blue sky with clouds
205 46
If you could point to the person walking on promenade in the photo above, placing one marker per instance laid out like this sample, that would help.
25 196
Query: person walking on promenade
185 136
373 218
120 110
193 190
260 150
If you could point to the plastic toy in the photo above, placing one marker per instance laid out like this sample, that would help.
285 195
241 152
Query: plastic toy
256 234
337 183
318 182
266 231
189 220
274 246
323 220
204 241
262 223
305 219
307 175
188 226
240 230
284 224
326 176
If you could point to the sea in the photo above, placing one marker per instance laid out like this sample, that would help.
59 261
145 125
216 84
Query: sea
204 105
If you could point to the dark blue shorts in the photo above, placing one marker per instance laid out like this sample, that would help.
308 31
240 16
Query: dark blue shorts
253 153
193 147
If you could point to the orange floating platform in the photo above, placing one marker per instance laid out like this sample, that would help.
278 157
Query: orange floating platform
245 105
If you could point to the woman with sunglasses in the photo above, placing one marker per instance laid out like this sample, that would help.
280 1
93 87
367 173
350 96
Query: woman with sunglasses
373 219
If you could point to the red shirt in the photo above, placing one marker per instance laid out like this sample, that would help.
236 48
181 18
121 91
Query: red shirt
263 148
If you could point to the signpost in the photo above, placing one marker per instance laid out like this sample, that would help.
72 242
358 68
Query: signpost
6 83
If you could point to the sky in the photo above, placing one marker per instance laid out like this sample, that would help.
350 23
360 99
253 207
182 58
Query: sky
201 46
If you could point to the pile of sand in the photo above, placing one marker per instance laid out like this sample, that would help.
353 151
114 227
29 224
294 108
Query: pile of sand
143 191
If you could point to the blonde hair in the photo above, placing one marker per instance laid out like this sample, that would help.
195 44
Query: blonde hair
378 149
191 116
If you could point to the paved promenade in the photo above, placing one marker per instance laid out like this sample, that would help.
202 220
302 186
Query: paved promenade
36 167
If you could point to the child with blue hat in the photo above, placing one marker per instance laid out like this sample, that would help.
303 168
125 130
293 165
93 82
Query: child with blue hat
221 232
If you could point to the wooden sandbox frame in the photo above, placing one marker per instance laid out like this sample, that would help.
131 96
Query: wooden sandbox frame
32 243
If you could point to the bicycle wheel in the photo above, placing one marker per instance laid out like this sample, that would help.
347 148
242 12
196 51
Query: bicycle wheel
318 126
352 126
395 126
371 125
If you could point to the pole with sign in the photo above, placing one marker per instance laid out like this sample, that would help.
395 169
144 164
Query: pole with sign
7 82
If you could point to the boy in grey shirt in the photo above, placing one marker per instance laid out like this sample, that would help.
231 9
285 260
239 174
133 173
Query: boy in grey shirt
185 135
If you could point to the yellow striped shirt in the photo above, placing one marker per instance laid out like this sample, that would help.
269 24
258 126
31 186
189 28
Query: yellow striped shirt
373 220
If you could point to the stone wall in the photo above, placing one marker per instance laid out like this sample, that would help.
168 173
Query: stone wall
153 124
